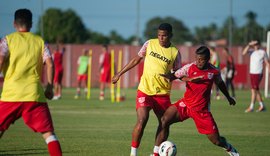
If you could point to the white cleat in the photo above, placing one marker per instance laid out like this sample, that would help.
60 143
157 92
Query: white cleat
233 152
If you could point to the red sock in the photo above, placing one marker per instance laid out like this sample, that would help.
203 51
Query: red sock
54 148
155 154
135 144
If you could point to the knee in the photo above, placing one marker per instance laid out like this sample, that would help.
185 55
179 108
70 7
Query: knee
164 122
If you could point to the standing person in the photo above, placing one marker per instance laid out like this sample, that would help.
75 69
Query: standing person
160 56
22 55
230 70
257 58
105 70
199 77
83 62
214 60
59 71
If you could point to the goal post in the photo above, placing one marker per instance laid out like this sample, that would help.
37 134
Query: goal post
266 84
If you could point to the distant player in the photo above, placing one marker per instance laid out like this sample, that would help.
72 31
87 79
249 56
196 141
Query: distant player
160 56
22 55
82 71
105 70
214 60
59 71
199 77
258 57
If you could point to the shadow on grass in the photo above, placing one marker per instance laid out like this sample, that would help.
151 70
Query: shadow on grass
15 152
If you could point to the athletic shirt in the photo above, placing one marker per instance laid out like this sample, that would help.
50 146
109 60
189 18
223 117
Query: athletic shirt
105 62
83 64
197 95
23 68
58 60
256 61
158 60
214 60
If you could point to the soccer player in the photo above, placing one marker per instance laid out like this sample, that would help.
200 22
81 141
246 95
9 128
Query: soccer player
59 70
105 70
199 77
160 56
257 58
83 62
22 55
214 60
230 70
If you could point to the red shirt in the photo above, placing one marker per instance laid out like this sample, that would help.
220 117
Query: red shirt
197 95
58 60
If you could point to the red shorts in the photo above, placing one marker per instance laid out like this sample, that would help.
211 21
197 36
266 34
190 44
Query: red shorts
159 103
204 121
82 77
255 80
105 77
35 115
58 75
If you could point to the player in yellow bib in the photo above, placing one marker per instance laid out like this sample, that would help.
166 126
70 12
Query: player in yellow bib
22 55
160 57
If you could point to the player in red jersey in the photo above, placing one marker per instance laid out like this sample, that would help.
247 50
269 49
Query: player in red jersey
59 70
199 77
105 70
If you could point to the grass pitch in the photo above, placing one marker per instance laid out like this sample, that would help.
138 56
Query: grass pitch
101 128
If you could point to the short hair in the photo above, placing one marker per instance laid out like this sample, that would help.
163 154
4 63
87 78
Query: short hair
203 50
258 42
23 17
165 26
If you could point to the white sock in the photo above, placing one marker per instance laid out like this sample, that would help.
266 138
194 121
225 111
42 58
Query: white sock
51 139
251 106
133 151
156 148
261 104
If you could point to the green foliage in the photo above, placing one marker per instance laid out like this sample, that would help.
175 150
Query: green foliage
101 128
181 33
63 26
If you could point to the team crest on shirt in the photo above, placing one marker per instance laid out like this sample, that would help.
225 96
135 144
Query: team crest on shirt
141 99
182 104
210 75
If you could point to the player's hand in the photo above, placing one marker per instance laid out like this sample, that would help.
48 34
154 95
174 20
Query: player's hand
169 76
231 100
252 43
115 78
49 91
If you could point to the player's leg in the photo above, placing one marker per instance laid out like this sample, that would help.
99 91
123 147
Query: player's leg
53 144
78 90
137 133
38 117
102 89
260 100
216 139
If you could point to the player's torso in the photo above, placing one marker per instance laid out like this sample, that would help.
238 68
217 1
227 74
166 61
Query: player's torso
197 95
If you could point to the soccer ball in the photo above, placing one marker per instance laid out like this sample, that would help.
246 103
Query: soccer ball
167 148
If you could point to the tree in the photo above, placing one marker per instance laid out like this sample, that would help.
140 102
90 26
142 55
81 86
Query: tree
63 26
181 33
206 33
252 30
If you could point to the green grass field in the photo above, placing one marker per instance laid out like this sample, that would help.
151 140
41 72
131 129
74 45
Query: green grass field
101 128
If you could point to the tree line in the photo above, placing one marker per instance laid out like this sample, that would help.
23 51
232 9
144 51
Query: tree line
67 27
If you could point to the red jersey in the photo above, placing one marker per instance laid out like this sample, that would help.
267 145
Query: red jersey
197 95
58 60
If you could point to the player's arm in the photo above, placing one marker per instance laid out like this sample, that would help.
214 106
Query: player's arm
221 85
248 46
3 52
50 72
267 61
132 63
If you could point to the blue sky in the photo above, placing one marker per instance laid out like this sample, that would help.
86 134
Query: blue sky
121 15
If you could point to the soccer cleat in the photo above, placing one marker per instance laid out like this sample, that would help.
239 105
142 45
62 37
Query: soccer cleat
76 97
101 98
233 152
261 109
248 110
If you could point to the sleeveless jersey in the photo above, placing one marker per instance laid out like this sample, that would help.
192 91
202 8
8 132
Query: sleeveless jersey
23 68
83 65
158 60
